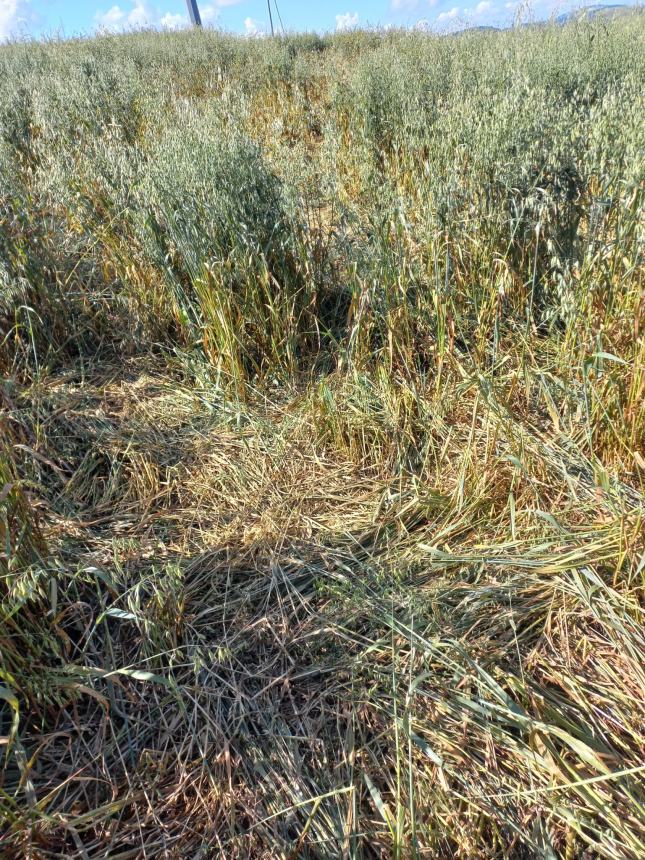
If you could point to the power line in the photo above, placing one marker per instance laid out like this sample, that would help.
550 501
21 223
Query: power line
275 3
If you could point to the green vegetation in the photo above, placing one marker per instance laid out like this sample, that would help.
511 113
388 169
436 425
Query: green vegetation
323 445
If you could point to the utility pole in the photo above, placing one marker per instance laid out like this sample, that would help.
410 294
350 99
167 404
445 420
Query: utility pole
193 11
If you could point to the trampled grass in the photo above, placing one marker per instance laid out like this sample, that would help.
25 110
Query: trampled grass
323 445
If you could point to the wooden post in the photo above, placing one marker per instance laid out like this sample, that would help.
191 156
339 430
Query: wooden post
193 11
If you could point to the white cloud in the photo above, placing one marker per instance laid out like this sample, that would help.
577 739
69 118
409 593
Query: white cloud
8 17
172 21
403 5
479 10
143 13
110 20
450 15
140 15
346 21
210 11
15 16
410 5
253 28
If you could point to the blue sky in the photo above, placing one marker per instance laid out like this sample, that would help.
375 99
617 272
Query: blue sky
74 17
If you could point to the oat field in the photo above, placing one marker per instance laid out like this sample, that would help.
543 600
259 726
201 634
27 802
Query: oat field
322 445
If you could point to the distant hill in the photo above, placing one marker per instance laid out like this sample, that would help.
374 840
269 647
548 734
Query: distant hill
580 14
596 11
